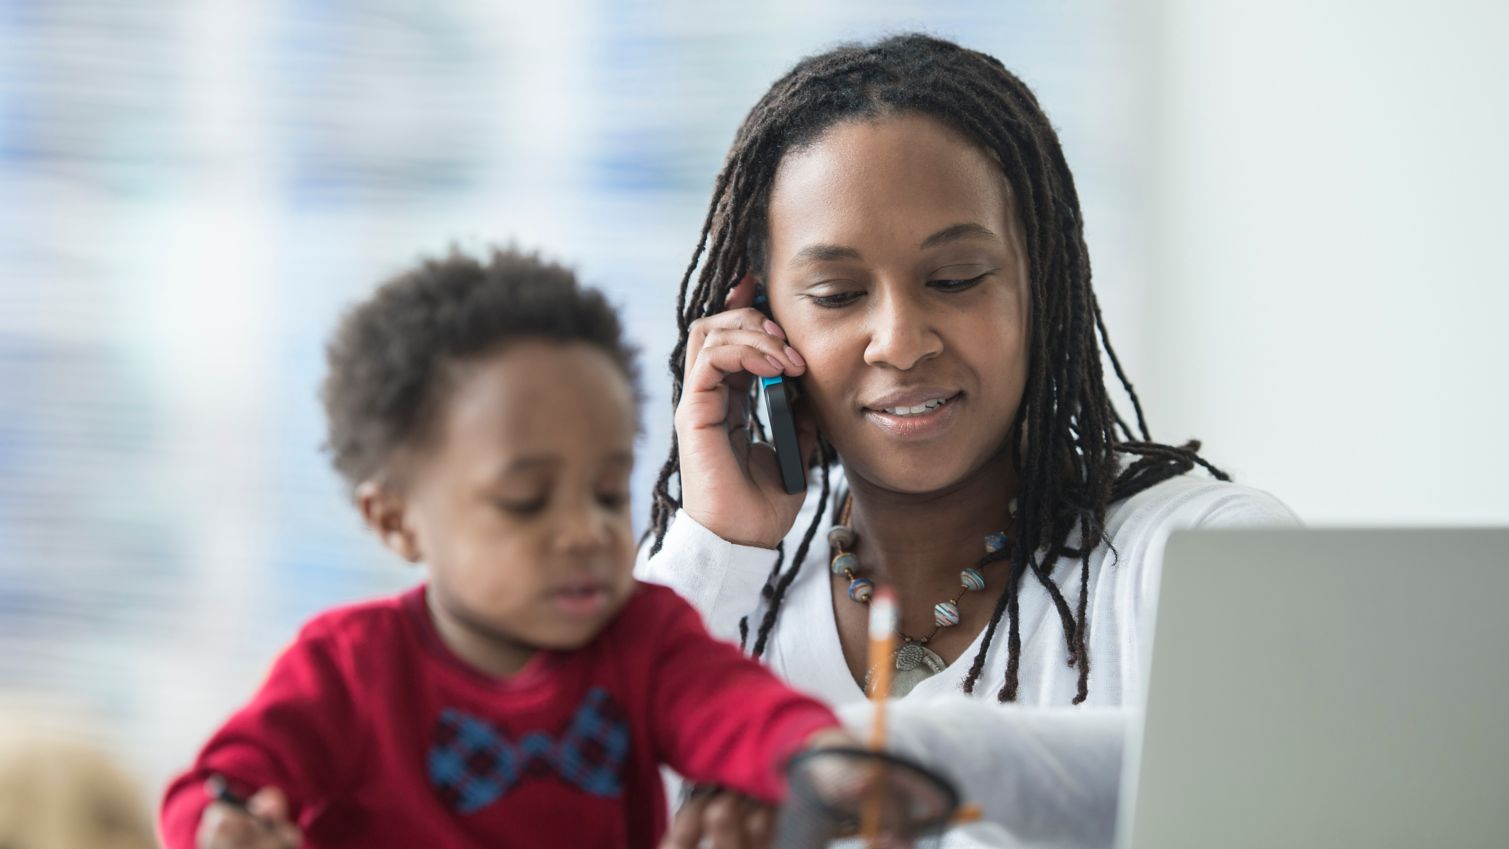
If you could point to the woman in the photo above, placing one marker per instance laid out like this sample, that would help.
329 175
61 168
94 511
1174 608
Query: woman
907 210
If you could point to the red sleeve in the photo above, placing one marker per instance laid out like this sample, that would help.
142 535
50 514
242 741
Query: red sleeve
720 717
291 735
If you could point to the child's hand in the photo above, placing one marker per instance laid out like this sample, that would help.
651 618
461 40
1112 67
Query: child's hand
833 738
720 819
262 823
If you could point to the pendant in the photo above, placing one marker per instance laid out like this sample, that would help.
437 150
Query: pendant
915 663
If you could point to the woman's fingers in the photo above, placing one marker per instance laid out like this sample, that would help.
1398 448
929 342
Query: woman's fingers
716 363
739 319
747 326
773 346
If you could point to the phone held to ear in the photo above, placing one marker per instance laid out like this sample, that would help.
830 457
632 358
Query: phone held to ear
779 396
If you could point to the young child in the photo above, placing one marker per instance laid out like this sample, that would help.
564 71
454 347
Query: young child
527 693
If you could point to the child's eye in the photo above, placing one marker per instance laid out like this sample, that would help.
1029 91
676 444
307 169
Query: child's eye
956 285
613 500
520 508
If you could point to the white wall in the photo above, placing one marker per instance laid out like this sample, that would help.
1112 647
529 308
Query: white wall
1329 297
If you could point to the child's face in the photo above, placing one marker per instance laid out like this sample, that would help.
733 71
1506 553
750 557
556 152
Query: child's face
519 504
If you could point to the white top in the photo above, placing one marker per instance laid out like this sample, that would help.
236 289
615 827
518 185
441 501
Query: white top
1045 771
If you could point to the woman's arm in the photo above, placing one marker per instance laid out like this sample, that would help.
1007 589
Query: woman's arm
721 579
1047 776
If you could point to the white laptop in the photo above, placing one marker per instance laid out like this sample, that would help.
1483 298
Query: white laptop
1325 688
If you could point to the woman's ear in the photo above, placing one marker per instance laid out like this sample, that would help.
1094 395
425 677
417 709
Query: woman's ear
743 293
385 510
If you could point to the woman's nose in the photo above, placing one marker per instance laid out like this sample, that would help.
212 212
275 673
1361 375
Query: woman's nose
902 333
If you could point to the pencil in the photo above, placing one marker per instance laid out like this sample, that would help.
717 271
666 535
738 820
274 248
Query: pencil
882 644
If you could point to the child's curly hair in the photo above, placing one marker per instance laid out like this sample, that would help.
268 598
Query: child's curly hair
387 359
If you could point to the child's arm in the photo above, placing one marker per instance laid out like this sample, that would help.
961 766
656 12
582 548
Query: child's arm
293 736
722 718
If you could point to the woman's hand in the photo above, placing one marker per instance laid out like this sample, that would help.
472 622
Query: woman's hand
729 484
720 819
262 824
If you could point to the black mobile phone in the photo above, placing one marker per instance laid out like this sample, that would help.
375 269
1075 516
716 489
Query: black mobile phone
779 396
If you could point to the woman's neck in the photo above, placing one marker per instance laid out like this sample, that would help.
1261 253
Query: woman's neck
917 543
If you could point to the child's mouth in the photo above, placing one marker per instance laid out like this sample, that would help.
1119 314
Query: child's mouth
580 599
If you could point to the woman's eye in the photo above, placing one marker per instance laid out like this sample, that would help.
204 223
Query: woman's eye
834 301
953 285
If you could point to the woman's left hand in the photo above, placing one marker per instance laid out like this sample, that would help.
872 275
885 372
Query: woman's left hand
720 819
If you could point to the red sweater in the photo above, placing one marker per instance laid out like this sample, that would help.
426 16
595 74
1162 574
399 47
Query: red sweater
381 737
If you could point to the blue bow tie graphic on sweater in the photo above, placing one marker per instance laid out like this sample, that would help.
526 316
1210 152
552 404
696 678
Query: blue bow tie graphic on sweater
473 764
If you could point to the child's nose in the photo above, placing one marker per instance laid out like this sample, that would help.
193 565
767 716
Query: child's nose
584 529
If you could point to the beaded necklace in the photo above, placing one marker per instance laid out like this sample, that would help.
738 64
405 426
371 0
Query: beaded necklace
915 662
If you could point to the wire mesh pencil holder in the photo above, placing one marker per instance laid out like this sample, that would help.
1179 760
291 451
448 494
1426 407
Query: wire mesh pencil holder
862 798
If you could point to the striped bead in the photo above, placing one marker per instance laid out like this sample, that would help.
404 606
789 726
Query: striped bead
972 580
860 590
845 563
946 614
995 542
840 537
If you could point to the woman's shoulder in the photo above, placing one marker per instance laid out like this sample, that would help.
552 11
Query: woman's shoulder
1195 501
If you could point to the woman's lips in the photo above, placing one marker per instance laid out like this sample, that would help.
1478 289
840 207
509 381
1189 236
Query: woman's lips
916 426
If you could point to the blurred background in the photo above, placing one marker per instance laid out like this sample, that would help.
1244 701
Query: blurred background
1291 210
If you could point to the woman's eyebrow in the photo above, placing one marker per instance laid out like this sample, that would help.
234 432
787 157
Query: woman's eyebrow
823 253
967 230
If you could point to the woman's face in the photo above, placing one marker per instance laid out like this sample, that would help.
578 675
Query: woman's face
897 269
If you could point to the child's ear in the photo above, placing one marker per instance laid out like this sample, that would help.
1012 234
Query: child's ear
385 511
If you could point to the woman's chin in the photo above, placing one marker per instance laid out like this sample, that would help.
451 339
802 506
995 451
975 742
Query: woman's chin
909 478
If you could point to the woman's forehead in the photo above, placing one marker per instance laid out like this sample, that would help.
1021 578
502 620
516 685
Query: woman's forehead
902 178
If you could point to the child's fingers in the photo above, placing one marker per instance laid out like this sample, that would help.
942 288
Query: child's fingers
270 805
723 822
262 824
686 827
758 825
225 826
